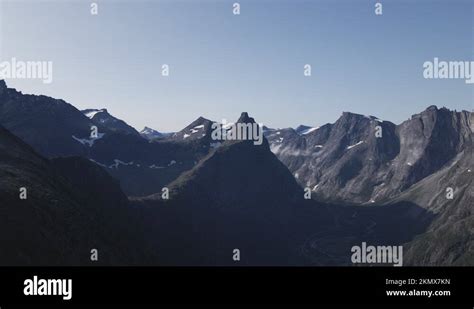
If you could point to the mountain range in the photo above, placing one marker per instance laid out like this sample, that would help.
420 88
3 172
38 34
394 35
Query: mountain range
91 177
349 162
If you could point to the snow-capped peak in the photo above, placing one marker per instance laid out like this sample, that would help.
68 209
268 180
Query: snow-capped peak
150 133
147 130
90 113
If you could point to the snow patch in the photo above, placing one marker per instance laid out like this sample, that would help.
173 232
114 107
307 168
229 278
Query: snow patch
98 163
119 162
91 114
307 131
357 144
154 166
89 141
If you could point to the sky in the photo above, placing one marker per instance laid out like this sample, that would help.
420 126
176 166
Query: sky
222 64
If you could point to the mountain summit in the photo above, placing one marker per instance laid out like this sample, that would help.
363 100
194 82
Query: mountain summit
103 118
151 134
239 195
348 162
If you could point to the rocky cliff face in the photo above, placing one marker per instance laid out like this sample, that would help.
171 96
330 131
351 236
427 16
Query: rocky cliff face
449 239
347 162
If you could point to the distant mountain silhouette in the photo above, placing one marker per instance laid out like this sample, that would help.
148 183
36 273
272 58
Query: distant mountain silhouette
151 134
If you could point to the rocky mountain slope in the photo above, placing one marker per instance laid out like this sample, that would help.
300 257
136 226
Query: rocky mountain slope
57 129
239 197
449 239
44 123
347 162
101 117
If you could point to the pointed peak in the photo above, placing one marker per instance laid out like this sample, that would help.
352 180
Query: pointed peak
198 122
148 130
245 118
201 120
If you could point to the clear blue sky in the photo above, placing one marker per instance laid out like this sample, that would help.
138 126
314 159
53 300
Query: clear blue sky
223 64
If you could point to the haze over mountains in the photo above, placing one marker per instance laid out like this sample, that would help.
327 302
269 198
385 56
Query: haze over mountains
234 194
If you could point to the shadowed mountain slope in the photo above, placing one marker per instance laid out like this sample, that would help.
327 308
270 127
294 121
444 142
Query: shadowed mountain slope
71 207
